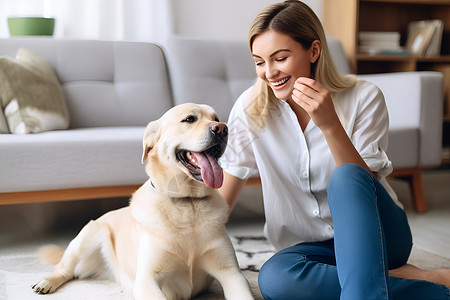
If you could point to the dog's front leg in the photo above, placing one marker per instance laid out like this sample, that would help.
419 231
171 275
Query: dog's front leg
146 285
221 263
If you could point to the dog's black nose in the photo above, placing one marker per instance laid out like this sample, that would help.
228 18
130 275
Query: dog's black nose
219 129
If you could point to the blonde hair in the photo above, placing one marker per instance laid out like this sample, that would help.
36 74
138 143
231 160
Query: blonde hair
299 21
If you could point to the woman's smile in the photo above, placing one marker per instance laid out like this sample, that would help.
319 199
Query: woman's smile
280 83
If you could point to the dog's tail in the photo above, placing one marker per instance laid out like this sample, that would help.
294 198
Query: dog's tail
50 254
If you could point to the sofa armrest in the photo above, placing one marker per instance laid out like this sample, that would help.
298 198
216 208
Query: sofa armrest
414 100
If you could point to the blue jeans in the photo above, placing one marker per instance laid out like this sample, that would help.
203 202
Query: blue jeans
371 236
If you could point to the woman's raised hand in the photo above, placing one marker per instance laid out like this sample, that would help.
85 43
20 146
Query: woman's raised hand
316 101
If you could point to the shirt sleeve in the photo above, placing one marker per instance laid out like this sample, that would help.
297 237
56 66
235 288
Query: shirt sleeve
370 132
239 159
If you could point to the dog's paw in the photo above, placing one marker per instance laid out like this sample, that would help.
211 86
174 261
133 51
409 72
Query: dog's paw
43 286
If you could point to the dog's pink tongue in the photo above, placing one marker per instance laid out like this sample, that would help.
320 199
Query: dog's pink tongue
212 173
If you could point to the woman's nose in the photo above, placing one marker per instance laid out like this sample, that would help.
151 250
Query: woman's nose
271 71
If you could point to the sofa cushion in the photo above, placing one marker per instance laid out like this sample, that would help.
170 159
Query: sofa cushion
403 148
3 124
89 157
105 83
113 84
31 94
211 72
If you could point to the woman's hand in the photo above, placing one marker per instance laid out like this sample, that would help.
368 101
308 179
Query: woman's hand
316 101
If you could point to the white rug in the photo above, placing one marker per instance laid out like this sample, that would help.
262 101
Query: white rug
19 270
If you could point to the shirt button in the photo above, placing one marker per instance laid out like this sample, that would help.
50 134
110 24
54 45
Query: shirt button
329 227
305 175
315 212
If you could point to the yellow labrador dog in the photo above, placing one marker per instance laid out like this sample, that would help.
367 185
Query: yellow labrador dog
171 240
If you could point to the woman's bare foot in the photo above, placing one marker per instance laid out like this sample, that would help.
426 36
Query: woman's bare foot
408 271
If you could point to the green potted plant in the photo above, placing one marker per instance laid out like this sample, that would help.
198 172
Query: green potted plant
31 26
33 17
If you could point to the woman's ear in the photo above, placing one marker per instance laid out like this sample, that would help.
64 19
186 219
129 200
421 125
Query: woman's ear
315 50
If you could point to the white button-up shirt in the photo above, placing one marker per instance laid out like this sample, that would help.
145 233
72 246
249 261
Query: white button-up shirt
295 166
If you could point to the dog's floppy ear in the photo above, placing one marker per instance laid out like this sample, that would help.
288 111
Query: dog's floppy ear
151 136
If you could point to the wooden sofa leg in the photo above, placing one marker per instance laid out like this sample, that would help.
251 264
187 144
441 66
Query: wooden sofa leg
414 178
417 191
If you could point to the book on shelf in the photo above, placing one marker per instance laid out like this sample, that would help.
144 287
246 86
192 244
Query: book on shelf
380 42
425 37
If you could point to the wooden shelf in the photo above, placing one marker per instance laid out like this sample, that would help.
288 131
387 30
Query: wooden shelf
414 2
432 59
435 59
369 57
388 15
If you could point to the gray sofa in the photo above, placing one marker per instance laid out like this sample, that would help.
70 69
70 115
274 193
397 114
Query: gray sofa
113 89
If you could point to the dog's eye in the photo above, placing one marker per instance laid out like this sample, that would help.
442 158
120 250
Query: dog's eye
216 119
190 119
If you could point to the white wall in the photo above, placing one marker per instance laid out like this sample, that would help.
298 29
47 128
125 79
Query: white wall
106 19
221 19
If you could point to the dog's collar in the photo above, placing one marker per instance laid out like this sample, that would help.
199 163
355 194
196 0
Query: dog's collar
188 199
179 198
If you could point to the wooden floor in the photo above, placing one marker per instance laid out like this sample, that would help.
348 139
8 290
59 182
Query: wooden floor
431 230
23 223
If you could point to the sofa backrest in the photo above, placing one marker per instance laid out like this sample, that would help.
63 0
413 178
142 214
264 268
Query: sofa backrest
208 71
217 72
105 83
338 56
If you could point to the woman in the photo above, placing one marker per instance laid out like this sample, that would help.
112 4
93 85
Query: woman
318 141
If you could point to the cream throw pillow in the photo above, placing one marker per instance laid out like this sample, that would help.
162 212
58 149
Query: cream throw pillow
31 94
3 125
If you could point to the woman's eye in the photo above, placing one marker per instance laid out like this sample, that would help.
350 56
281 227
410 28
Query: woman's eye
281 59
190 119
259 63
